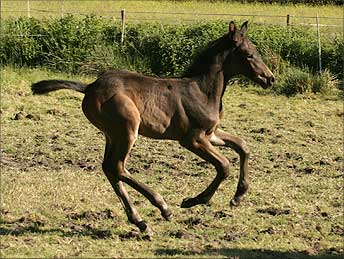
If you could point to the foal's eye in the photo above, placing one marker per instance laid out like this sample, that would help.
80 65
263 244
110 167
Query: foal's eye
250 56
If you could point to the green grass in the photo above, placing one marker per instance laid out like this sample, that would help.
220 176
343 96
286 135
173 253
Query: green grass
55 201
112 9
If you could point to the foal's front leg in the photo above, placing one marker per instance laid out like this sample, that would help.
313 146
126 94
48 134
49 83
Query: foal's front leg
199 144
222 138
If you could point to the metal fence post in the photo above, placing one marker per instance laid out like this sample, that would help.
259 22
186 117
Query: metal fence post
288 19
319 43
123 26
28 8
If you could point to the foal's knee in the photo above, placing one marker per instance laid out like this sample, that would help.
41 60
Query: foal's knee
223 169
245 150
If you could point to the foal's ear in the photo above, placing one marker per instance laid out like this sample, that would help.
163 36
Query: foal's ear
231 27
244 27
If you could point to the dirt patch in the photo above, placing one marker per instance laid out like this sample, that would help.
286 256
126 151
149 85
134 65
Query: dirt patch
337 230
183 234
92 215
129 235
28 223
30 220
340 114
19 116
34 117
86 229
308 170
8 161
168 165
194 222
22 116
242 105
274 211
204 164
56 112
310 124
3 212
260 130
269 230
232 236
133 234
85 165
222 214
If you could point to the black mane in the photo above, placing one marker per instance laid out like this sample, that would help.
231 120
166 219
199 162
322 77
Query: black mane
204 59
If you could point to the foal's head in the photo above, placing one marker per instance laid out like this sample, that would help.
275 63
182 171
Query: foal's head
245 59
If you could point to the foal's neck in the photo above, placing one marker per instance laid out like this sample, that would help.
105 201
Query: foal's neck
212 83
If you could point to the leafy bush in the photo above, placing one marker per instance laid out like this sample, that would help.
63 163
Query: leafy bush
324 82
293 80
91 44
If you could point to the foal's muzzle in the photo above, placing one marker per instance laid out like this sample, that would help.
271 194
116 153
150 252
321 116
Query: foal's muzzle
266 81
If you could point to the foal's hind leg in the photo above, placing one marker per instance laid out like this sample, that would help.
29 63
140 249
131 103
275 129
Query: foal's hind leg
223 138
201 146
122 119
112 167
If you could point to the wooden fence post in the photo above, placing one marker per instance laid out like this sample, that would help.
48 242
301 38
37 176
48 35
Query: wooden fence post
319 43
123 26
62 7
288 19
28 8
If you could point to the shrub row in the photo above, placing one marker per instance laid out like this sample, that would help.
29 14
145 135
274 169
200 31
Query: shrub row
91 44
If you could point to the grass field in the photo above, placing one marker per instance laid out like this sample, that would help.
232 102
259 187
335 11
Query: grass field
136 11
55 201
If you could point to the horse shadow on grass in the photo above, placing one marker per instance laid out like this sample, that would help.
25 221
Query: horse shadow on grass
93 232
247 253
70 228
28 226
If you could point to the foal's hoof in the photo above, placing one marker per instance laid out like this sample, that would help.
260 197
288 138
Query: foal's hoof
147 234
235 202
189 202
167 214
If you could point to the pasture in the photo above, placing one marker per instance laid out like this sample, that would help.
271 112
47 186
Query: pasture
55 200
177 11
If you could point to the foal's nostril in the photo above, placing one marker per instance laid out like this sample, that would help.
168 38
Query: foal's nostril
271 80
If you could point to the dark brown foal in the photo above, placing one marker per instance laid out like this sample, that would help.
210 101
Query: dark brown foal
123 104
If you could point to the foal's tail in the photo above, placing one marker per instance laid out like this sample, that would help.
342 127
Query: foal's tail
47 86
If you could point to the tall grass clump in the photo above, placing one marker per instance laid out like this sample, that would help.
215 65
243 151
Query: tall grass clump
292 80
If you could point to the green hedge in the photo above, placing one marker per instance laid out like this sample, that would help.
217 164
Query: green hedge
91 44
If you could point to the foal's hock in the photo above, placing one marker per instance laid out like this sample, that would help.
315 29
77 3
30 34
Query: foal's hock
123 104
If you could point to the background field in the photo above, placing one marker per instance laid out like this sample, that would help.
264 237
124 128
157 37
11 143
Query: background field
138 11
55 201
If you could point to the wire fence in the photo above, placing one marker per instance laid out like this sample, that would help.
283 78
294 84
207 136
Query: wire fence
107 9
166 17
